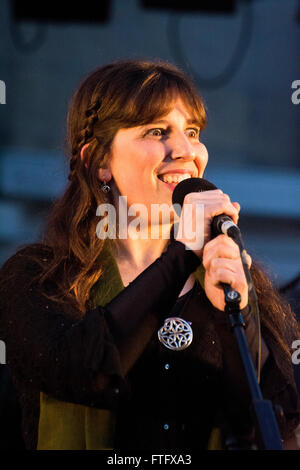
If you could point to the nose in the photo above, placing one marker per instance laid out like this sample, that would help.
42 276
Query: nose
180 147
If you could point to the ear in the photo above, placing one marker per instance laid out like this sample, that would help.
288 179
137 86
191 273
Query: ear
104 174
82 156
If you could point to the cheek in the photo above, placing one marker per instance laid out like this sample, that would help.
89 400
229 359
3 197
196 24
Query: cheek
151 154
133 171
133 165
202 158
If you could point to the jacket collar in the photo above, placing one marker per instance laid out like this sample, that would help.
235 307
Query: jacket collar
110 283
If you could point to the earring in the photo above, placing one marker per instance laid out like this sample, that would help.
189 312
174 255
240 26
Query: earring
105 187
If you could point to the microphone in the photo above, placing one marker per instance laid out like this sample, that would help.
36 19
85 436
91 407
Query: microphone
221 223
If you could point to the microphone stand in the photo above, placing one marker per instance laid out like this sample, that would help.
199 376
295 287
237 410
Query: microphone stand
264 418
265 422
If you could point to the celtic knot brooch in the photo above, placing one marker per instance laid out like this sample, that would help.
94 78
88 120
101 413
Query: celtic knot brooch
176 334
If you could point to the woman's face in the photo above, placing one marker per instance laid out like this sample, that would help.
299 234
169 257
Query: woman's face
149 160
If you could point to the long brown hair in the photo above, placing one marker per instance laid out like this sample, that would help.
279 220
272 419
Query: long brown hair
119 95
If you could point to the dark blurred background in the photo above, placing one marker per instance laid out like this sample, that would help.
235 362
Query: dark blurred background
244 57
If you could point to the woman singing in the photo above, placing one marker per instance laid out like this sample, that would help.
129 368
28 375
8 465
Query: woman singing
85 313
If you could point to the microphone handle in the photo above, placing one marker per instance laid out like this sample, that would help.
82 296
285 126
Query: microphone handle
231 295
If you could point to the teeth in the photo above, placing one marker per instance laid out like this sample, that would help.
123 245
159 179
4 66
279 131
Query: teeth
176 178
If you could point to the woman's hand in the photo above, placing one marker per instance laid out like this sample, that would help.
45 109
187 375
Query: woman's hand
222 263
194 228
221 256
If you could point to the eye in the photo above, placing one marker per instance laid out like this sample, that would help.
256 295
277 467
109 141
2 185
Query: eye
156 132
193 132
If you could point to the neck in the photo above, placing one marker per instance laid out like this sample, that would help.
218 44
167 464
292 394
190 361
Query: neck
135 253
140 253
134 256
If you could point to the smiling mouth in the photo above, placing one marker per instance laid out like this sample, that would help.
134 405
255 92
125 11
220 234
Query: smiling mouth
171 180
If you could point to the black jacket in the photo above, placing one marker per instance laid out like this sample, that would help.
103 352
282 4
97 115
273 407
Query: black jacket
112 358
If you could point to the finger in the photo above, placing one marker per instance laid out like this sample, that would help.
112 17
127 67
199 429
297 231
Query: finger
214 202
222 240
215 247
223 275
235 278
248 260
220 247
224 206
224 263
190 197
237 206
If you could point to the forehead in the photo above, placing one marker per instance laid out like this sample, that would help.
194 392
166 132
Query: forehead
176 106
178 110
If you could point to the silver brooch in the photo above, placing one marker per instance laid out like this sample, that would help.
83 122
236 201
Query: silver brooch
176 334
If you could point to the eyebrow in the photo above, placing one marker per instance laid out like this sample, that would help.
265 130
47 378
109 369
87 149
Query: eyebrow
189 122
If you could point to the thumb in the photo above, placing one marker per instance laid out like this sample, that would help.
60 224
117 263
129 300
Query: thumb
237 206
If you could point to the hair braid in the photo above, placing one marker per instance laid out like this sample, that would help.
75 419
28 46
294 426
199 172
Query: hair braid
85 134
